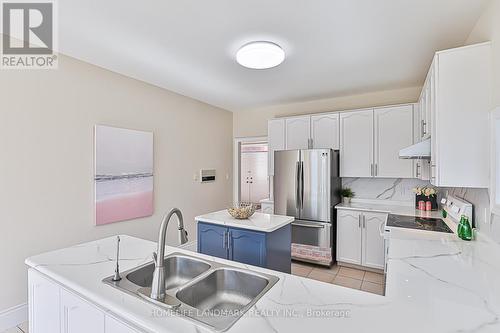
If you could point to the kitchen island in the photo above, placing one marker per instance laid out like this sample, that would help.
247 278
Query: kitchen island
263 240
435 283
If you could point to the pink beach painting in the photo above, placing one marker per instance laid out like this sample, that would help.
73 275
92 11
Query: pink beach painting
123 174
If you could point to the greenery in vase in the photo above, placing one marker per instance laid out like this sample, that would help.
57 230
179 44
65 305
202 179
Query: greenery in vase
347 193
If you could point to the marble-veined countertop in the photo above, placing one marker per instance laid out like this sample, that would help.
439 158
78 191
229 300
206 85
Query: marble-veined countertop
258 221
385 206
435 283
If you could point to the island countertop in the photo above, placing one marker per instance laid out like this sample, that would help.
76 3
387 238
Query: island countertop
258 221
435 283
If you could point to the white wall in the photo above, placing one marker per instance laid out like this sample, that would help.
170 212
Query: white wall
254 122
46 161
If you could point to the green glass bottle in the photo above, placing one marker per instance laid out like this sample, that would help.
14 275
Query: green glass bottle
464 229
460 227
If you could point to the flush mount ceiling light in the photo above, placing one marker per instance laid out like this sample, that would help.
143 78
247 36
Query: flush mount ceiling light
260 55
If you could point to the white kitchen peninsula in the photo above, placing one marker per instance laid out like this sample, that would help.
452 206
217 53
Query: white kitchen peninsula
435 283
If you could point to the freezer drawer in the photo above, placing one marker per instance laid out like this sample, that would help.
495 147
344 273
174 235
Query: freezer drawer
312 233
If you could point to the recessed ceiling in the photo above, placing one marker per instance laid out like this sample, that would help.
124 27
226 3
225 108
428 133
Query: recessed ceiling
333 47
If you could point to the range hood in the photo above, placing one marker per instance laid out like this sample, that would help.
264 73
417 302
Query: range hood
421 150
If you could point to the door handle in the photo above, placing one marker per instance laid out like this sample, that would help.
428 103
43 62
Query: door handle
376 169
229 238
359 221
224 239
297 185
308 225
371 170
364 221
301 185
418 170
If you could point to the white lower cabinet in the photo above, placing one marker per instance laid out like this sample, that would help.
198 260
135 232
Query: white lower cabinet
43 298
267 208
115 326
349 236
360 238
53 309
79 316
372 242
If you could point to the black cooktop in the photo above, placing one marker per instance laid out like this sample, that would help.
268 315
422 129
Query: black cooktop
419 223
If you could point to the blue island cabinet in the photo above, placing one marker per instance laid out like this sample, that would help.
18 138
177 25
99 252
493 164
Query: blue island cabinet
264 249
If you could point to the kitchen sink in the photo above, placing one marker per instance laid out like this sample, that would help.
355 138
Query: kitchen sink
178 270
223 289
207 292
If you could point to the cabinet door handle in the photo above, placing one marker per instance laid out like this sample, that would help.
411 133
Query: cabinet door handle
371 170
364 221
224 239
359 221
229 239
376 169
418 170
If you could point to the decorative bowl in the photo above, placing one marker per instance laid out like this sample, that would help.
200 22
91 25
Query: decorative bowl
242 211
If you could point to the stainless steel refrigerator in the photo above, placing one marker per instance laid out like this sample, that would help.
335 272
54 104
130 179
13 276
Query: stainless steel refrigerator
306 184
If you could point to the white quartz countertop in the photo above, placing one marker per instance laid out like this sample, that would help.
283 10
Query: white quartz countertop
258 221
388 207
435 283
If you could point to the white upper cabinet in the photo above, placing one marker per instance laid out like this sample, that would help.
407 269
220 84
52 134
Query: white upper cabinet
325 131
459 83
298 133
393 131
276 140
356 143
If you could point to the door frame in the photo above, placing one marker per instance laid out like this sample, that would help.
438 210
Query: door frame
236 161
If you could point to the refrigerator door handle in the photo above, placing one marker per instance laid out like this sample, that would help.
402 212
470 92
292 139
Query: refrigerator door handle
297 185
301 185
308 225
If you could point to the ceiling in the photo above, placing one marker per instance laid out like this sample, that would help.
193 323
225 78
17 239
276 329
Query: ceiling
333 47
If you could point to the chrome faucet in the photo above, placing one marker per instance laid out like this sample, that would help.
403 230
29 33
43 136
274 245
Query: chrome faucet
158 286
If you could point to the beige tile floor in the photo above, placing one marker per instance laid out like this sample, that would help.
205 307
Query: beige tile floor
342 276
23 328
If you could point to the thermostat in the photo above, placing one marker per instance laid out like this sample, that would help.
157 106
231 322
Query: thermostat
207 175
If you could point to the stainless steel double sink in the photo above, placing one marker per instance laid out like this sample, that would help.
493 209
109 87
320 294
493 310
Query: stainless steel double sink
208 292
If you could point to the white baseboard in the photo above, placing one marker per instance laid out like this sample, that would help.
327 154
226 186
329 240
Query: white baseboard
13 317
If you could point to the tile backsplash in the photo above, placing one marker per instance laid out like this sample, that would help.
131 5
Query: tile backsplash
401 190
383 188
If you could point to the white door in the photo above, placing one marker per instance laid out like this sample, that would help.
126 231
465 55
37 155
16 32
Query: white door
325 131
356 143
393 132
116 326
298 132
349 236
373 240
43 304
276 140
78 316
